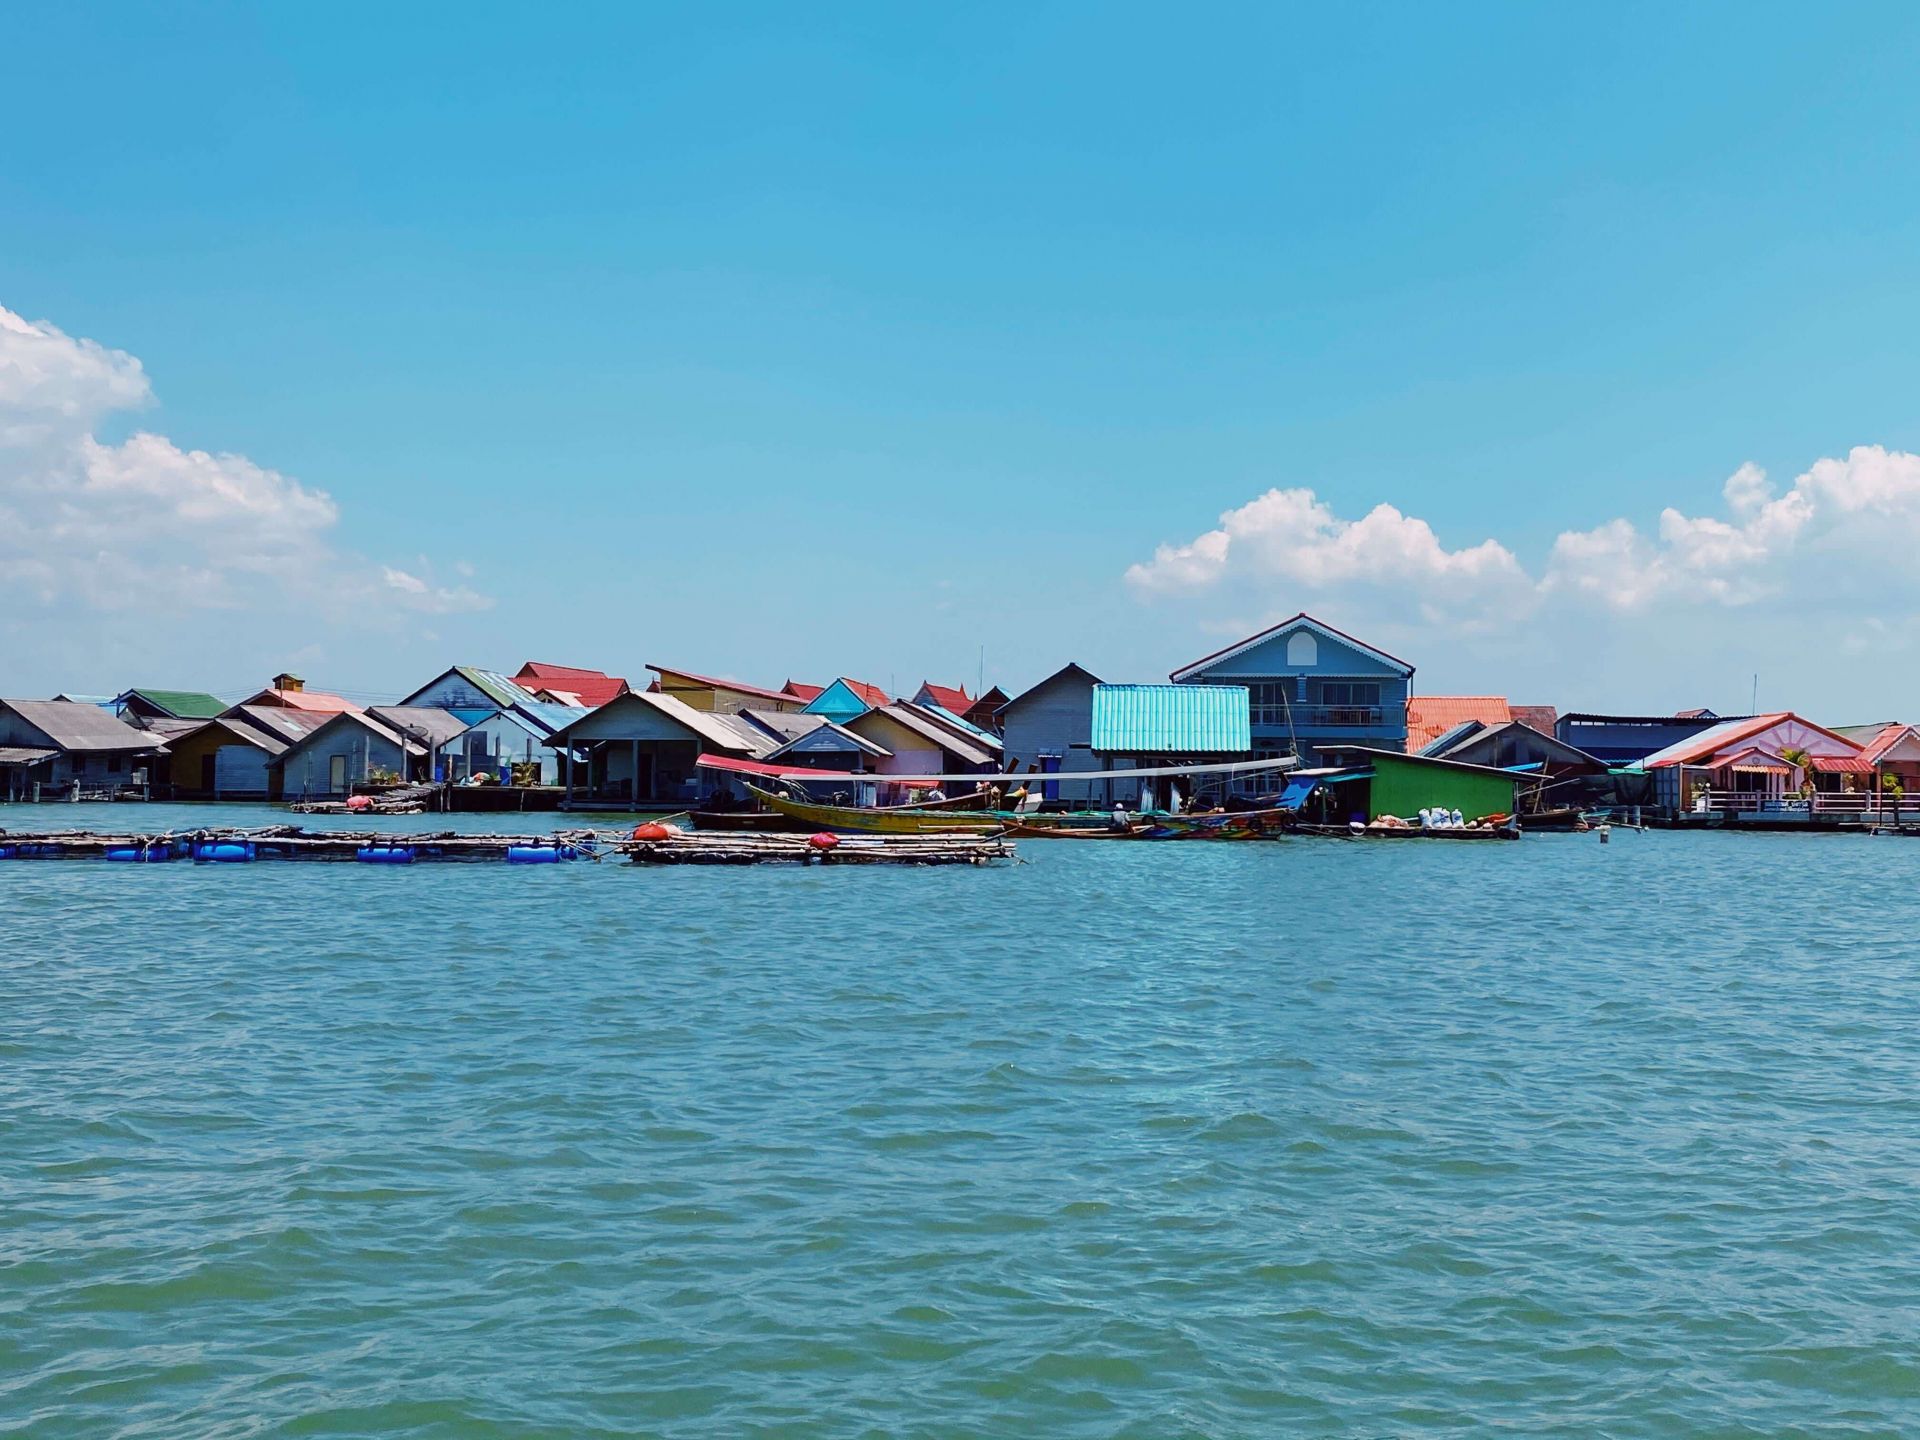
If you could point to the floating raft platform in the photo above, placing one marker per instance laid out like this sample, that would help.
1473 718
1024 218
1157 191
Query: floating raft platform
290 842
695 847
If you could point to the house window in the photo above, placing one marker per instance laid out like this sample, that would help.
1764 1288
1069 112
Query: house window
113 764
1302 649
1349 692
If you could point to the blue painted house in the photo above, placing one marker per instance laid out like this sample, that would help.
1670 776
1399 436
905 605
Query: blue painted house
1311 686
846 700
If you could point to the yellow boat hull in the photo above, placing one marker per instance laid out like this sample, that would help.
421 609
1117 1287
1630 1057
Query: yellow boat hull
863 820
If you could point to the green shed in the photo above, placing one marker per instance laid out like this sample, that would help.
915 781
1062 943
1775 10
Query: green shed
1404 785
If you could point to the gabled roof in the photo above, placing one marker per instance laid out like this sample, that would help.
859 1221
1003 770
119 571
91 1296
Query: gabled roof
1301 619
947 697
277 722
708 682
1431 716
781 725
425 722
801 691
845 693
81 728
716 731
272 740
1069 669
815 739
1376 756
967 750
1171 719
358 719
1478 735
1731 732
583 687
1883 740
180 704
315 700
947 720
1538 717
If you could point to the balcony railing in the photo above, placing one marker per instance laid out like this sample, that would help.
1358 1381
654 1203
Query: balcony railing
1320 717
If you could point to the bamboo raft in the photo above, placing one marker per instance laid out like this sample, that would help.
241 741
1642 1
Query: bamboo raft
290 842
693 847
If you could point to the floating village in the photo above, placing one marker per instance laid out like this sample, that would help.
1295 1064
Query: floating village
1299 730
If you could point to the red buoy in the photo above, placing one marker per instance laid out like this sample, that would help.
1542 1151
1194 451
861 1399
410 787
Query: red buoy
825 840
652 830
359 802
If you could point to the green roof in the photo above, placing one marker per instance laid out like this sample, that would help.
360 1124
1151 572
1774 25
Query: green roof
183 704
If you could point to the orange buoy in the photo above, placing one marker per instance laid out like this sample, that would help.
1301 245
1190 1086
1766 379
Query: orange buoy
825 840
652 830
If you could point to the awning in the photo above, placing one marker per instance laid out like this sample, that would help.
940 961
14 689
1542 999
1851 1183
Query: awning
1842 765
1760 767
1017 777
24 755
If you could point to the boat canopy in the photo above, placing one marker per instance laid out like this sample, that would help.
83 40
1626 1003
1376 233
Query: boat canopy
800 772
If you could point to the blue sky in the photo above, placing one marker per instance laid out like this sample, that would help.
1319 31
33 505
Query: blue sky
773 342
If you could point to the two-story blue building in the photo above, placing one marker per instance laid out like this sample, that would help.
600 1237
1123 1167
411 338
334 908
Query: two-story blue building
1312 687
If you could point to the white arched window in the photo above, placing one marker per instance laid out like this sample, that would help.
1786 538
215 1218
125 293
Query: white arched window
1302 649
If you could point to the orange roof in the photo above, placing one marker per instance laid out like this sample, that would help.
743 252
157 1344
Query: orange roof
1431 716
803 692
948 697
316 701
594 687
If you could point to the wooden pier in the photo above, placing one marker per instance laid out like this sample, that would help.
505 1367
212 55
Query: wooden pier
696 847
290 842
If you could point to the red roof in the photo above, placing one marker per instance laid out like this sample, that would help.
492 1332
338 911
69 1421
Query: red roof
1729 733
1431 716
1842 765
801 692
594 687
1881 743
738 687
871 694
948 697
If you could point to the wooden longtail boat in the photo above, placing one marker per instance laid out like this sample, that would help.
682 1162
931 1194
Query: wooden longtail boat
881 820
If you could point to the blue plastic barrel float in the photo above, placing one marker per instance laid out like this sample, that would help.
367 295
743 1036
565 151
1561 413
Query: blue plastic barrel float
384 854
224 851
539 854
142 854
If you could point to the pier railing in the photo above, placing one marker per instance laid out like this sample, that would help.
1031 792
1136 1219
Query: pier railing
1860 807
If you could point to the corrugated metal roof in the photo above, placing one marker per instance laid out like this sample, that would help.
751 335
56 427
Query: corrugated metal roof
437 726
181 704
24 755
1171 720
1431 716
502 689
73 726
967 751
589 687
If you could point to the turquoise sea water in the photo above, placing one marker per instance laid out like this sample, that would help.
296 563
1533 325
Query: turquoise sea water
1310 1138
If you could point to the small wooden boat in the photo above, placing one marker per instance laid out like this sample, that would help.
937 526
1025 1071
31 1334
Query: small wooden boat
1081 832
881 820
1568 817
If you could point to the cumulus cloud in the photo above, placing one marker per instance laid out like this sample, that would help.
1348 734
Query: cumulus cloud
104 525
1294 537
1765 544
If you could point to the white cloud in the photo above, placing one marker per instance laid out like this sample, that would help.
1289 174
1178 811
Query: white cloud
1293 537
96 525
1845 527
